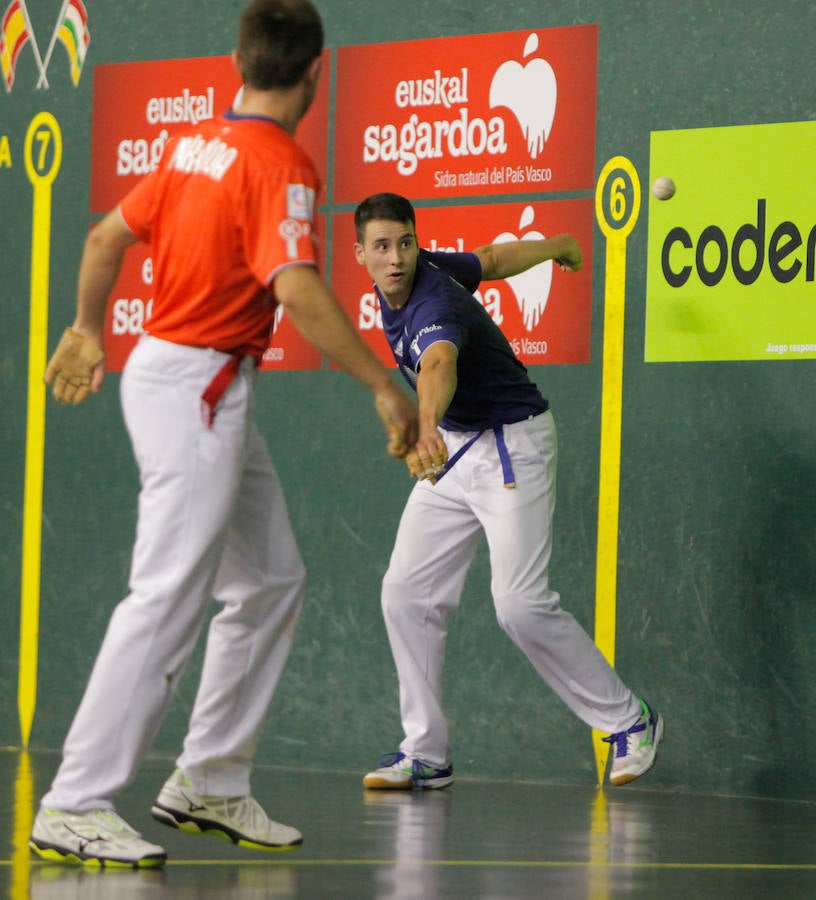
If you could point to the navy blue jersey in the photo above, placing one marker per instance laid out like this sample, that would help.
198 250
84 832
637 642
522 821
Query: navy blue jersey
493 387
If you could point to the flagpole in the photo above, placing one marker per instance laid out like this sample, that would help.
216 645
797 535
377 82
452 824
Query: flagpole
34 45
60 20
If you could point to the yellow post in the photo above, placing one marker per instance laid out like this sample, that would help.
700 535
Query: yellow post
617 204
43 155
23 821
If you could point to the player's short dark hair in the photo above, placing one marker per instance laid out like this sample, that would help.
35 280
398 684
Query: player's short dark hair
277 41
391 207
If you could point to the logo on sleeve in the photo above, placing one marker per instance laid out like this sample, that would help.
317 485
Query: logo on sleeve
300 202
292 231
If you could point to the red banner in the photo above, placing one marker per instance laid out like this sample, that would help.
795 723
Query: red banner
136 108
481 114
138 105
544 313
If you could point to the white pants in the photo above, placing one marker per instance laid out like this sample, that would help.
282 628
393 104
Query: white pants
437 537
212 523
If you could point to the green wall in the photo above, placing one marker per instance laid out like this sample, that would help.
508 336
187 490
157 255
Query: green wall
717 512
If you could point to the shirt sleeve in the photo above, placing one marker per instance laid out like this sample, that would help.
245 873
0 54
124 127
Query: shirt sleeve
466 268
139 206
279 221
447 324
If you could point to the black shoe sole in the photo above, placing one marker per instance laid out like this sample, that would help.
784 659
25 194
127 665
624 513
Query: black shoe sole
190 824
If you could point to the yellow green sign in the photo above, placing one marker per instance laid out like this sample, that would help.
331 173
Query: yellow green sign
731 255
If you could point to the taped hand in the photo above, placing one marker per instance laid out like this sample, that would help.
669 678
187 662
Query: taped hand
71 368
431 469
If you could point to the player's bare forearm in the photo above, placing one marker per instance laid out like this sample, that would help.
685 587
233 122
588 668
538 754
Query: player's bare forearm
508 259
436 385
99 268
77 366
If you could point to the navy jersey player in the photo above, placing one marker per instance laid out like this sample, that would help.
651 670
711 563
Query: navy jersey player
492 385
485 462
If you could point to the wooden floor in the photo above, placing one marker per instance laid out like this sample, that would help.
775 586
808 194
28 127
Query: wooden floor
477 839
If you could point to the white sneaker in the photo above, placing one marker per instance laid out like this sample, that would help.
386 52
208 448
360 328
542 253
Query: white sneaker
636 748
241 820
399 772
99 837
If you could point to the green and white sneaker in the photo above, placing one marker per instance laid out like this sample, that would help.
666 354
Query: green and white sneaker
98 838
399 772
636 748
241 820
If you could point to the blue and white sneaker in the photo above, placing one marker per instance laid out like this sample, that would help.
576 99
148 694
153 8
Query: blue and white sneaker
399 772
636 748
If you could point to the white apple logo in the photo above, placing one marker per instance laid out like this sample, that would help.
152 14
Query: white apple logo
531 288
530 92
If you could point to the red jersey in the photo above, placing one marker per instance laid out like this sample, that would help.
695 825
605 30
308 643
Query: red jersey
230 205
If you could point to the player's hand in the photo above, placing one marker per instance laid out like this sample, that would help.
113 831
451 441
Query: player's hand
570 259
418 470
76 368
426 461
399 415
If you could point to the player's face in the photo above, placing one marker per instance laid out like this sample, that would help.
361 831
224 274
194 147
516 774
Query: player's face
389 252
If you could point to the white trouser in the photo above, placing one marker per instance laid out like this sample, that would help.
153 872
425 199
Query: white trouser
212 523
437 537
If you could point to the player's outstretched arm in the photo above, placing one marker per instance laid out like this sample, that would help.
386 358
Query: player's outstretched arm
508 259
318 316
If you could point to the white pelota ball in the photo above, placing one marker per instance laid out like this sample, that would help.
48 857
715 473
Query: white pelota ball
663 188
